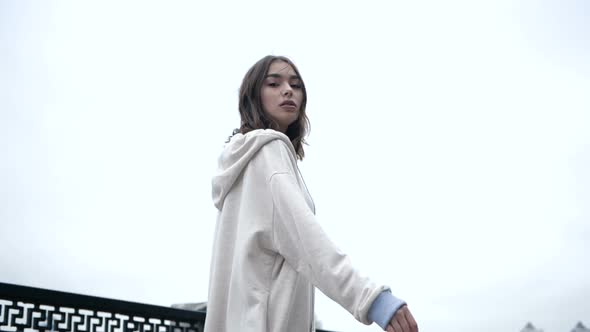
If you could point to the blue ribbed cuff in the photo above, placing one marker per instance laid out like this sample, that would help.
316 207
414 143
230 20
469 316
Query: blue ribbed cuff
383 308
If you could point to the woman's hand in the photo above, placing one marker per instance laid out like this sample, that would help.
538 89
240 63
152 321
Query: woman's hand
402 321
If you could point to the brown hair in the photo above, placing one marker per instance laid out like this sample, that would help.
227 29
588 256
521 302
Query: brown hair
250 104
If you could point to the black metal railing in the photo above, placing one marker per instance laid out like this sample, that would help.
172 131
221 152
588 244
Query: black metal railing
30 309
35 309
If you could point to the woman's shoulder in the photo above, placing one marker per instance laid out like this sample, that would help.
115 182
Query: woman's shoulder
259 139
270 133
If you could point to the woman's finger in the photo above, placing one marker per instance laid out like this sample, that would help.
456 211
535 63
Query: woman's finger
396 326
400 317
411 321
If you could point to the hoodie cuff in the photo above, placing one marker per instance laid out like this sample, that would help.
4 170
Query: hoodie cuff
383 308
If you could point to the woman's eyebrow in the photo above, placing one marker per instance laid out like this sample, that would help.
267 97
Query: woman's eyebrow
293 77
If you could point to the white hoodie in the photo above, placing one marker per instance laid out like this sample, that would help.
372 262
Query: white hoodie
269 251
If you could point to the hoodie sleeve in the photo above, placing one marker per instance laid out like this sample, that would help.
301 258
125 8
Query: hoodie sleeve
299 238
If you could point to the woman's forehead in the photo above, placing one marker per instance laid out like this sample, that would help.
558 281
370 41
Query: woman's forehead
281 67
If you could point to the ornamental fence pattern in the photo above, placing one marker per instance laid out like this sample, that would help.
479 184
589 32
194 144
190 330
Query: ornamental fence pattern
28 309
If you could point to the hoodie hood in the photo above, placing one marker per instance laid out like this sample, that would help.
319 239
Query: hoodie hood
235 157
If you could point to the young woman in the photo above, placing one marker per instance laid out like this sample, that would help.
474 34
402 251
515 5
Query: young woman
269 251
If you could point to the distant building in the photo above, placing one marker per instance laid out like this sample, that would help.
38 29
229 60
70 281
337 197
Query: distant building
529 327
580 328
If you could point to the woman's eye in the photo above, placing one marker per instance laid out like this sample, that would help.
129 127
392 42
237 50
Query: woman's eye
273 84
296 86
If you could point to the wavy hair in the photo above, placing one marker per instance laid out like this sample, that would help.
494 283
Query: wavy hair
252 113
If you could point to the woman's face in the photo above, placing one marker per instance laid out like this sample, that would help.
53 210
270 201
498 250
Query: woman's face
282 94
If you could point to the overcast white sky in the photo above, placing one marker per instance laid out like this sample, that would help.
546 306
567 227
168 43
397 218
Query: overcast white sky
449 153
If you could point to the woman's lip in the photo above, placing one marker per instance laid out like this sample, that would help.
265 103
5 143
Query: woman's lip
289 106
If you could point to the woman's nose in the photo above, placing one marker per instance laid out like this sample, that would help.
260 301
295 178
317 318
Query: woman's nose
287 91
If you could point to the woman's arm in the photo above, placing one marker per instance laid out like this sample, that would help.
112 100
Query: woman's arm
299 238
